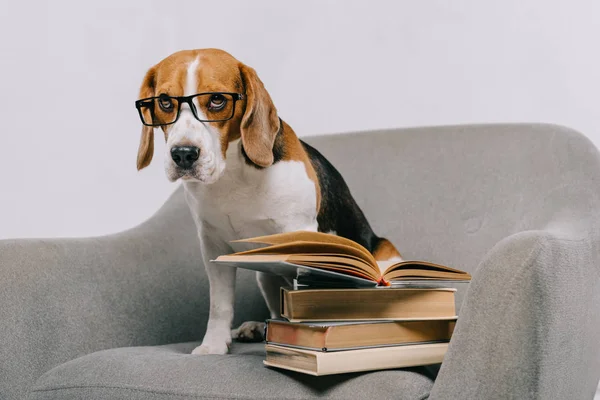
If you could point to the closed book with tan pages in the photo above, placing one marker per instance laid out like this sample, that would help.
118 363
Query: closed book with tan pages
367 304
337 336
338 362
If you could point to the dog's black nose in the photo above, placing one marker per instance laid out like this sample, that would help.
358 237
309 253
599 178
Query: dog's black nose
185 156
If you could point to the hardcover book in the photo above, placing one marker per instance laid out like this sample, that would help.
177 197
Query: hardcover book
367 304
338 362
343 335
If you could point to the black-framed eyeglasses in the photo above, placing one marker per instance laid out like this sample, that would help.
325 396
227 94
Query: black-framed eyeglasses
164 110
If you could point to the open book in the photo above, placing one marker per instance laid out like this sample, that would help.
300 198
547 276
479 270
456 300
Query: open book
322 256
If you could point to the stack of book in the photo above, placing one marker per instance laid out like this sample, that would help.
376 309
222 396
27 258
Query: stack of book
347 312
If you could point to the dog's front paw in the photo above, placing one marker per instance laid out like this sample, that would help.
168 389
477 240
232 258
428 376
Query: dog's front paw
212 345
249 331
216 348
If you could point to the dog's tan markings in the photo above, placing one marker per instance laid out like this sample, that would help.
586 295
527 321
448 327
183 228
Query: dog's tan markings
294 151
146 146
260 124
385 250
171 81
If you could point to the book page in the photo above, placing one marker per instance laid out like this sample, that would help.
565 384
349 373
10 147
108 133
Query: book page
328 263
310 236
277 265
341 260
416 268
339 268
414 274
302 247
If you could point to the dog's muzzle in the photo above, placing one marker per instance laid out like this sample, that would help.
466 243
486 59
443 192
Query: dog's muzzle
185 156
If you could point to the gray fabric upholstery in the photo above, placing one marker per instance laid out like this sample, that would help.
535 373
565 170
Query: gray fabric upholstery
64 298
170 372
517 205
530 331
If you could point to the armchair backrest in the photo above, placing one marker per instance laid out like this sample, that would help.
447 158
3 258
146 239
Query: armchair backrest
448 194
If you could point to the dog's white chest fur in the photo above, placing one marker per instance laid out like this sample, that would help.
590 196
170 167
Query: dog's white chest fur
247 201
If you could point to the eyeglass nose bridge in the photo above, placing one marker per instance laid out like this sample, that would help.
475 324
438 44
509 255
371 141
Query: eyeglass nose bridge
189 100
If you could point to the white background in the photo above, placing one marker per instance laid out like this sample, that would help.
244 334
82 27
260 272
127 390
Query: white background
70 72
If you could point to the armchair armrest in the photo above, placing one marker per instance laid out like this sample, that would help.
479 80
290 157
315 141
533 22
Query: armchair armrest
529 324
63 298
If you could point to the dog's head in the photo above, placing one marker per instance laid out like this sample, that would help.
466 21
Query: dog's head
203 100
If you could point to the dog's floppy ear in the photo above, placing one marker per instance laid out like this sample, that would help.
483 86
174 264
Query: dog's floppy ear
260 123
146 148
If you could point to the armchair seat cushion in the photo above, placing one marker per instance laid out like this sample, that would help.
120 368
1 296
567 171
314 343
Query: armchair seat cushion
171 372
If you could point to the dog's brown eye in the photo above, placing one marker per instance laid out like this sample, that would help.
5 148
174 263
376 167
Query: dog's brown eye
165 103
217 102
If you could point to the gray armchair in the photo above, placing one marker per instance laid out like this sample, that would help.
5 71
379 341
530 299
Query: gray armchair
115 317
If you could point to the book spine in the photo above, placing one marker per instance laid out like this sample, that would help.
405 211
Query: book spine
286 305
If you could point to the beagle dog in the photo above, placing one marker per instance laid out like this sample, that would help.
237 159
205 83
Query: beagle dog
245 174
